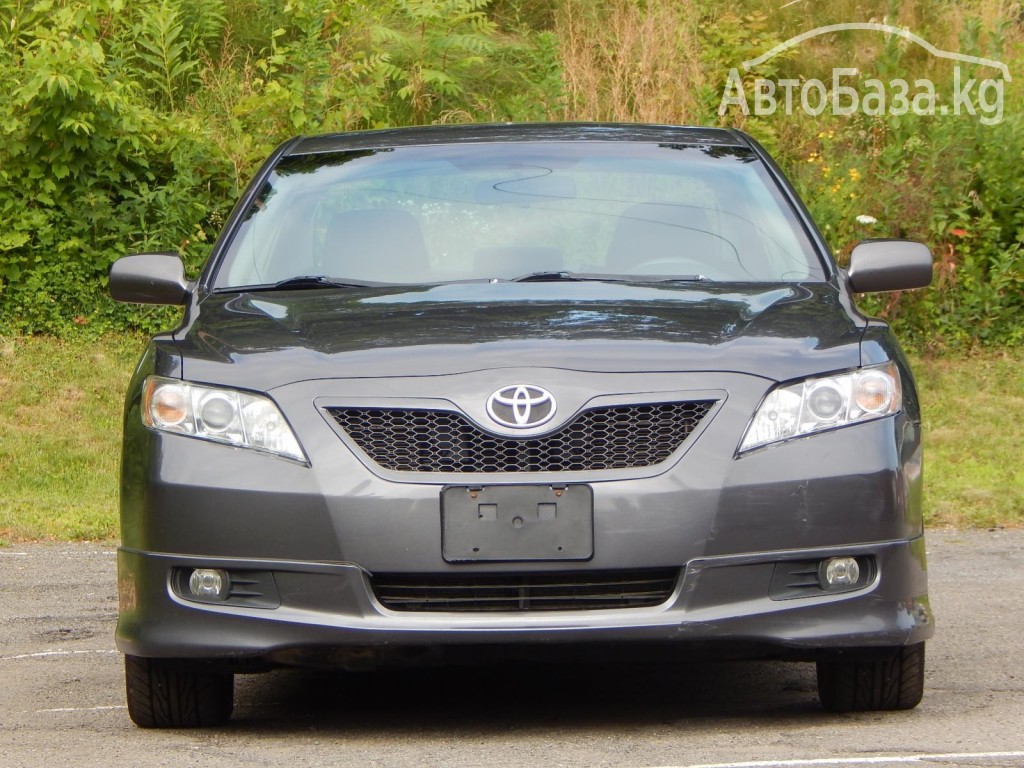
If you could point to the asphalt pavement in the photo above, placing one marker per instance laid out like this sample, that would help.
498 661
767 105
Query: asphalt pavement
62 692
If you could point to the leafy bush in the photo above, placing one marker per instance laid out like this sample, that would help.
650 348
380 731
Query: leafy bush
133 126
949 181
87 170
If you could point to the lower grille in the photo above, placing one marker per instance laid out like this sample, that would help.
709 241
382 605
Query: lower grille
577 591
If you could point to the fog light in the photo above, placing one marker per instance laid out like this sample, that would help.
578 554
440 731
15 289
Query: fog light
841 572
209 583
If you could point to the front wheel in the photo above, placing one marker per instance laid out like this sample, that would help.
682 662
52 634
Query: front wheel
173 693
895 681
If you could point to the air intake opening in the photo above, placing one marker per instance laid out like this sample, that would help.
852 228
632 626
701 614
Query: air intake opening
576 591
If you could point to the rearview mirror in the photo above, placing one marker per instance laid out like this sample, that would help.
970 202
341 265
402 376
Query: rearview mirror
889 265
149 278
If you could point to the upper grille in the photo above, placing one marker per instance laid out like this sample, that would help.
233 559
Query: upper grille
614 437
579 591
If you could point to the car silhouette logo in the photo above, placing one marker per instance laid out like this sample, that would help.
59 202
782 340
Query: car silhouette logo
521 406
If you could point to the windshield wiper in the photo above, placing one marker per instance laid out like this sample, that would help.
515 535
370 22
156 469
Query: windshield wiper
552 276
305 281
556 276
546 276
682 279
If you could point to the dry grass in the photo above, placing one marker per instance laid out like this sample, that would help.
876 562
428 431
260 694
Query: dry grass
941 24
629 62
625 60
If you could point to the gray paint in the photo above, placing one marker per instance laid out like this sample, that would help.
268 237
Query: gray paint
321 530
149 278
889 265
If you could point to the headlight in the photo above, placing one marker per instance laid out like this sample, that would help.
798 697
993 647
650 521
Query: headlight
222 415
814 405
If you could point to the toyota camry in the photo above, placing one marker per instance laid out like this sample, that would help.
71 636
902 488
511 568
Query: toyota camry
444 392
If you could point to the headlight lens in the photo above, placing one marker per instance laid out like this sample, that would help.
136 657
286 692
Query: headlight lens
222 415
827 402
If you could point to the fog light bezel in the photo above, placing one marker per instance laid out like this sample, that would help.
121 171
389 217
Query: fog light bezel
244 588
802 579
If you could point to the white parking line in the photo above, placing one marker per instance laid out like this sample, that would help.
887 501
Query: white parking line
66 553
80 709
888 760
44 654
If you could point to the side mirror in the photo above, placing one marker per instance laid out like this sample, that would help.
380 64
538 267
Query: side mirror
889 265
149 278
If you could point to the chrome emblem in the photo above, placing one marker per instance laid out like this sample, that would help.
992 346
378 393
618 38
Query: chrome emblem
521 406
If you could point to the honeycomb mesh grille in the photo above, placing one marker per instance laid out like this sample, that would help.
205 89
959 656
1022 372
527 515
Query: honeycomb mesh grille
592 590
615 437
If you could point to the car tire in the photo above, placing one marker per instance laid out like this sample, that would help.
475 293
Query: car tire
172 693
864 685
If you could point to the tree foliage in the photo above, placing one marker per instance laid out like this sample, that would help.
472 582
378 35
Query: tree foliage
87 168
128 126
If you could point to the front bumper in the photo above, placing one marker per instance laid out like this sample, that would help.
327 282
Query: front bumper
322 530
328 608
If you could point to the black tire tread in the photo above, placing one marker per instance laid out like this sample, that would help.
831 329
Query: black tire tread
894 682
171 693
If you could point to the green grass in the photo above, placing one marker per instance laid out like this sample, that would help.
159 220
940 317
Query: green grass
973 411
60 436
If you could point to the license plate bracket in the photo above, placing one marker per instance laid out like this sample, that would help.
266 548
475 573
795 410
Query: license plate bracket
517 522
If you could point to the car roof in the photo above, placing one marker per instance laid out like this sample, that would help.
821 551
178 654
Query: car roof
512 132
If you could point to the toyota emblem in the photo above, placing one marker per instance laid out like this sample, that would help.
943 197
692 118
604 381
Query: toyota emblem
521 406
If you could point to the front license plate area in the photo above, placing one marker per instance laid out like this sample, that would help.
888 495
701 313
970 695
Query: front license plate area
517 522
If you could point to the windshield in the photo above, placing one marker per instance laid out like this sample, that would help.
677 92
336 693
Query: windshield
501 211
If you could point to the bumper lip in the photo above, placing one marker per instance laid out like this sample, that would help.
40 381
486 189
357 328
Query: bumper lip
155 622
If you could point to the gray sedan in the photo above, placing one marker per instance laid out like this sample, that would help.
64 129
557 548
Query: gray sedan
451 393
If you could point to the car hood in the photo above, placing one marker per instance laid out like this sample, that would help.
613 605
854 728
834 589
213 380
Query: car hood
261 340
